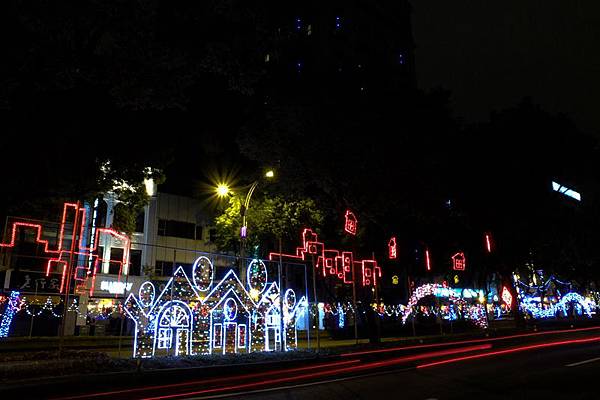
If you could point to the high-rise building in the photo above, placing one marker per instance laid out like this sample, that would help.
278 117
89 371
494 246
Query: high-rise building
338 50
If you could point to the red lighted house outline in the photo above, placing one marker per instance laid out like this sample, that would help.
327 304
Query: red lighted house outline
459 261
60 257
330 262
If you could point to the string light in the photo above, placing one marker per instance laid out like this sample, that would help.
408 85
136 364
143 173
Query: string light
11 308
226 320
536 310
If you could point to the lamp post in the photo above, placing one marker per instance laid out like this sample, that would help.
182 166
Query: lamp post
223 190
244 230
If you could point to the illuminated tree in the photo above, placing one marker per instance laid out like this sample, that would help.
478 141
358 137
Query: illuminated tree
268 218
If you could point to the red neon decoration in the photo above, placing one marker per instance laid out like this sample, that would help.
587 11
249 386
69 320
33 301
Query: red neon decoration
507 297
459 262
488 242
427 262
351 223
332 262
59 256
392 249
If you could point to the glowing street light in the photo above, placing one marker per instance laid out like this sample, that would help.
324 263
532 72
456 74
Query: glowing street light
270 174
222 190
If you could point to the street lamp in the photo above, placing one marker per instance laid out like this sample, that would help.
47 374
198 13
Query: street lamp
223 190
244 230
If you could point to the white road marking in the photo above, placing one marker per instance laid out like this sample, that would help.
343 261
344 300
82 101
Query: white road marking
583 362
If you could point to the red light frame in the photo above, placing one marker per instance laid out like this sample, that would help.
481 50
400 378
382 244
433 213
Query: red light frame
59 256
459 261
331 262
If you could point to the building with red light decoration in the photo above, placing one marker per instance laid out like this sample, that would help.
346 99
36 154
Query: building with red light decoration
36 257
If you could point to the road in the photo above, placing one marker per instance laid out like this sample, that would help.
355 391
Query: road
544 365
537 374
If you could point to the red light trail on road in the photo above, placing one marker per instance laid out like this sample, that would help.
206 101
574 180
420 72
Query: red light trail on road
214 380
425 346
510 351
356 368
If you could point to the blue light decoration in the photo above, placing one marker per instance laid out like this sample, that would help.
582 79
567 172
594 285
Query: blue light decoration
200 316
11 308
298 24
401 61
341 317
338 23
532 306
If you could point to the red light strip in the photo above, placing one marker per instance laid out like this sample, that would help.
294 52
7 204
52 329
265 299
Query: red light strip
424 346
427 263
510 351
356 368
214 380
332 262
59 253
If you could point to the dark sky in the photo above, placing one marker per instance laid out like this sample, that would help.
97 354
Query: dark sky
491 54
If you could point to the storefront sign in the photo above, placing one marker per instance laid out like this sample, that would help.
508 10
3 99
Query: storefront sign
33 281
113 287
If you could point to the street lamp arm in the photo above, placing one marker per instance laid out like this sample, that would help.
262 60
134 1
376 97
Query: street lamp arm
247 201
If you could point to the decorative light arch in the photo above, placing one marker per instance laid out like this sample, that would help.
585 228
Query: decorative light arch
476 313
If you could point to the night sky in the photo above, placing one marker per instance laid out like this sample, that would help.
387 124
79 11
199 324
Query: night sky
491 54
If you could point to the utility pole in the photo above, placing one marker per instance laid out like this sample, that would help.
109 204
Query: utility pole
314 278
68 283
122 314
281 294
354 302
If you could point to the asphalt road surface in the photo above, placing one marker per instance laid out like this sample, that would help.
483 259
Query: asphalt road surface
567 372
560 364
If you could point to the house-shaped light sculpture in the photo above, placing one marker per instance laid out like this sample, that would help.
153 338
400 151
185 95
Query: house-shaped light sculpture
459 262
200 316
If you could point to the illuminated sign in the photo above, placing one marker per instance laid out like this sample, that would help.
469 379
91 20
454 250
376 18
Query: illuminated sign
566 191
114 287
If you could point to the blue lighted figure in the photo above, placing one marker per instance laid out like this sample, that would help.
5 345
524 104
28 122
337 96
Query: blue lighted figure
341 317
